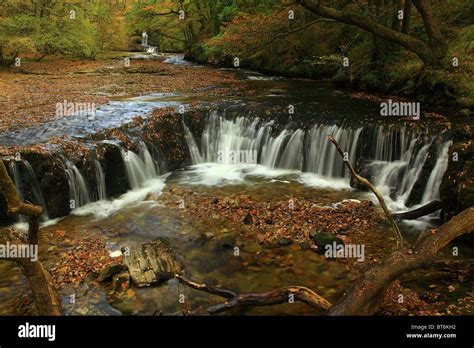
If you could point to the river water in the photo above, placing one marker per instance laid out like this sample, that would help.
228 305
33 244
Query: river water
291 161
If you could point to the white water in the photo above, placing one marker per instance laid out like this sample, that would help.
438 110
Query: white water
37 195
100 176
106 208
220 174
394 156
139 168
432 187
78 189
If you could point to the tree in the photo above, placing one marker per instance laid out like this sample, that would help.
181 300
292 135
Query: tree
47 300
432 53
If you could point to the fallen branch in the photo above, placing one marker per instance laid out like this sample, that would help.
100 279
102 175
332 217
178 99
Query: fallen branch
47 300
270 298
364 181
365 296
419 212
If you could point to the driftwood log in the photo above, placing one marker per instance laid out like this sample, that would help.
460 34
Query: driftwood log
47 300
278 296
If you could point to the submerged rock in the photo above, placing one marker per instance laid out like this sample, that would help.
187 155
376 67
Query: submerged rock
322 239
121 281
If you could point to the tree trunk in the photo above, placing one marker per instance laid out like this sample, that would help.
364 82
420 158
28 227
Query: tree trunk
431 54
363 298
406 17
47 300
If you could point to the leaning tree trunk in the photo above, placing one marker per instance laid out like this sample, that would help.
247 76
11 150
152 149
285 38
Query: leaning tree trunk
47 300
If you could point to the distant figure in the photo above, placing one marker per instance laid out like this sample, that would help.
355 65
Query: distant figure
144 39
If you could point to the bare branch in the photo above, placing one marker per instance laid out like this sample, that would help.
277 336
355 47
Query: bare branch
364 181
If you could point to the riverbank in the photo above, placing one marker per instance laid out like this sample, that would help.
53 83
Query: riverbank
29 94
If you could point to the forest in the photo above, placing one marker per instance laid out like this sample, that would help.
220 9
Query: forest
236 157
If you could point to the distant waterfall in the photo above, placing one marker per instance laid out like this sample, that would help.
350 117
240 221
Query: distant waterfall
139 168
394 156
78 189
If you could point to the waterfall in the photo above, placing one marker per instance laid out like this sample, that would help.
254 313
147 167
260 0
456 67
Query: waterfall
144 39
100 176
32 181
293 147
139 168
394 156
38 198
193 148
432 187
78 190
15 175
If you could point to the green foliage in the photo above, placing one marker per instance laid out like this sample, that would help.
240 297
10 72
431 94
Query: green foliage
79 29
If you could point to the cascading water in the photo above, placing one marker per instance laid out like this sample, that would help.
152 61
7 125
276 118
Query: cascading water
15 175
36 194
100 176
78 189
432 187
140 168
394 156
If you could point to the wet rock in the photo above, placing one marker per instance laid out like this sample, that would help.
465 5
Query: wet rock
108 271
248 219
457 188
322 239
305 245
121 281
226 241
89 277
284 242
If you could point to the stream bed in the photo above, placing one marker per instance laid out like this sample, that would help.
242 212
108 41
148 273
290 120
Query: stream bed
289 158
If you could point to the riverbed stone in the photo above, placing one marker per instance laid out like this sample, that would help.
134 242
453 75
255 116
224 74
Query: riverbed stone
323 238
121 281
108 271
